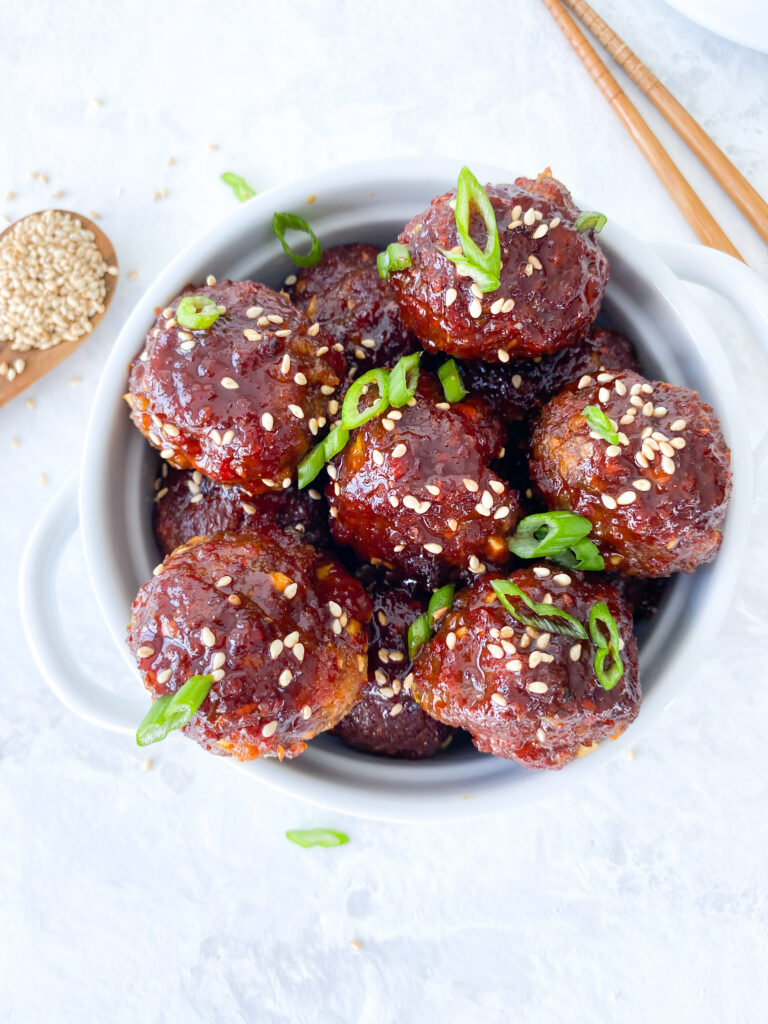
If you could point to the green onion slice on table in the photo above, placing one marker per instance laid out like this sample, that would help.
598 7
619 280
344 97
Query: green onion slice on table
197 312
482 265
591 219
283 221
239 186
307 837
173 711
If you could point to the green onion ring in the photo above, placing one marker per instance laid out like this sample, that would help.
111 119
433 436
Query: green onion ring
483 266
351 414
548 533
599 422
422 627
395 257
173 710
546 617
239 186
450 378
591 219
320 454
419 632
197 312
440 602
307 837
281 221
584 555
403 380
600 616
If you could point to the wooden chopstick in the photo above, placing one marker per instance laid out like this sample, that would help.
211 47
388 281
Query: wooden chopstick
694 211
730 178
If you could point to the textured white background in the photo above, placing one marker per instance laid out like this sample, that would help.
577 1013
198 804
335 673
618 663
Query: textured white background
172 895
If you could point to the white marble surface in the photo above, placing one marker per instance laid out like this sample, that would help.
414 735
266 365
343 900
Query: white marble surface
172 895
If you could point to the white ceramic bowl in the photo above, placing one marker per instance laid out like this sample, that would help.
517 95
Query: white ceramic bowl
371 202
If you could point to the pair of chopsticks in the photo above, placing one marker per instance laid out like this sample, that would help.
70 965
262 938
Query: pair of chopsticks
751 204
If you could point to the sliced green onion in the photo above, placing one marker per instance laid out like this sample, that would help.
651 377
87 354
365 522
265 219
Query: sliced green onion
422 628
320 454
450 378
403 380
239 186
548 533
545 616
395 257
600 619
281 221
582 555
173 710
351 414
591 219
197 312
307 837
482 265
600 424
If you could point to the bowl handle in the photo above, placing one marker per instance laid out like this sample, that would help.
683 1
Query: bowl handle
732 279
61 668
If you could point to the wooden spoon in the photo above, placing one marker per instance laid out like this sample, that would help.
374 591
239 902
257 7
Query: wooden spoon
40 361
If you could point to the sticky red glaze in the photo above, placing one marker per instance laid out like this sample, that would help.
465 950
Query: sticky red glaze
180 514
538 730
521 386
179 402
553 307
349 300
192 592
443 446
676 524
371 726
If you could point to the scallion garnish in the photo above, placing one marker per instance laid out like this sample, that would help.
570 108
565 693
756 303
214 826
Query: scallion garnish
544 616
450 378
584 555
307 837
422 628
395 257
281 221
591 219
600 619
239 186
482 265
197 312
320 454
351 414
547 534
403 380
600 424
173 710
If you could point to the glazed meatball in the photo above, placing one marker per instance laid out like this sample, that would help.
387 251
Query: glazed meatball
241 400
188 504
386 719
521 693
413 489
349 300
280 626
657 499
552 276
522 386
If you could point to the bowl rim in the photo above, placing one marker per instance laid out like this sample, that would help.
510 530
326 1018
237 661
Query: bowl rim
336 793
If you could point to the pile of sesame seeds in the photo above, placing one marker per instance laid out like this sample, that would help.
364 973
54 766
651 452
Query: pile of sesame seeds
52 284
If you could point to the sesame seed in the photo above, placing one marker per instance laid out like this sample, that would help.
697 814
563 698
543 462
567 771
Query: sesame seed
534 262
475 308
603 395
274 318
314 330
562 578
474 288
496 306
229 436
453 525
254 311
268 421
641 460
306 711
678 442
620 388
517 380
248 508
298 652
482 510
509 305
487 499
529 217
541 571
608 501
234 599
387 423
285 364
474 563
501 512
503 355
229 384
398 451
471 485
433 490
291 639
451 296
285 677
541 735
145 651
269 729
612 450
450 641
167 453
584 382
396 709
537 686
641 484
678 425
626 498
540 231
499 699
164 676
514 666
667 465
296 411
647 409
291 590
647 389
433 549
495 651
218 660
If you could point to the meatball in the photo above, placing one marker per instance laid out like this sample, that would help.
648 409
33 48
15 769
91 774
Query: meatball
524 694
657 499
386 719
280 626
188 504
552 276
241 400
413 489
349 300
522 386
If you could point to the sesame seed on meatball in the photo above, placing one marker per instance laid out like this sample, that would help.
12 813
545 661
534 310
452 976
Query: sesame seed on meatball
263 615
242 399
551 283
413 489
523 693
656 498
